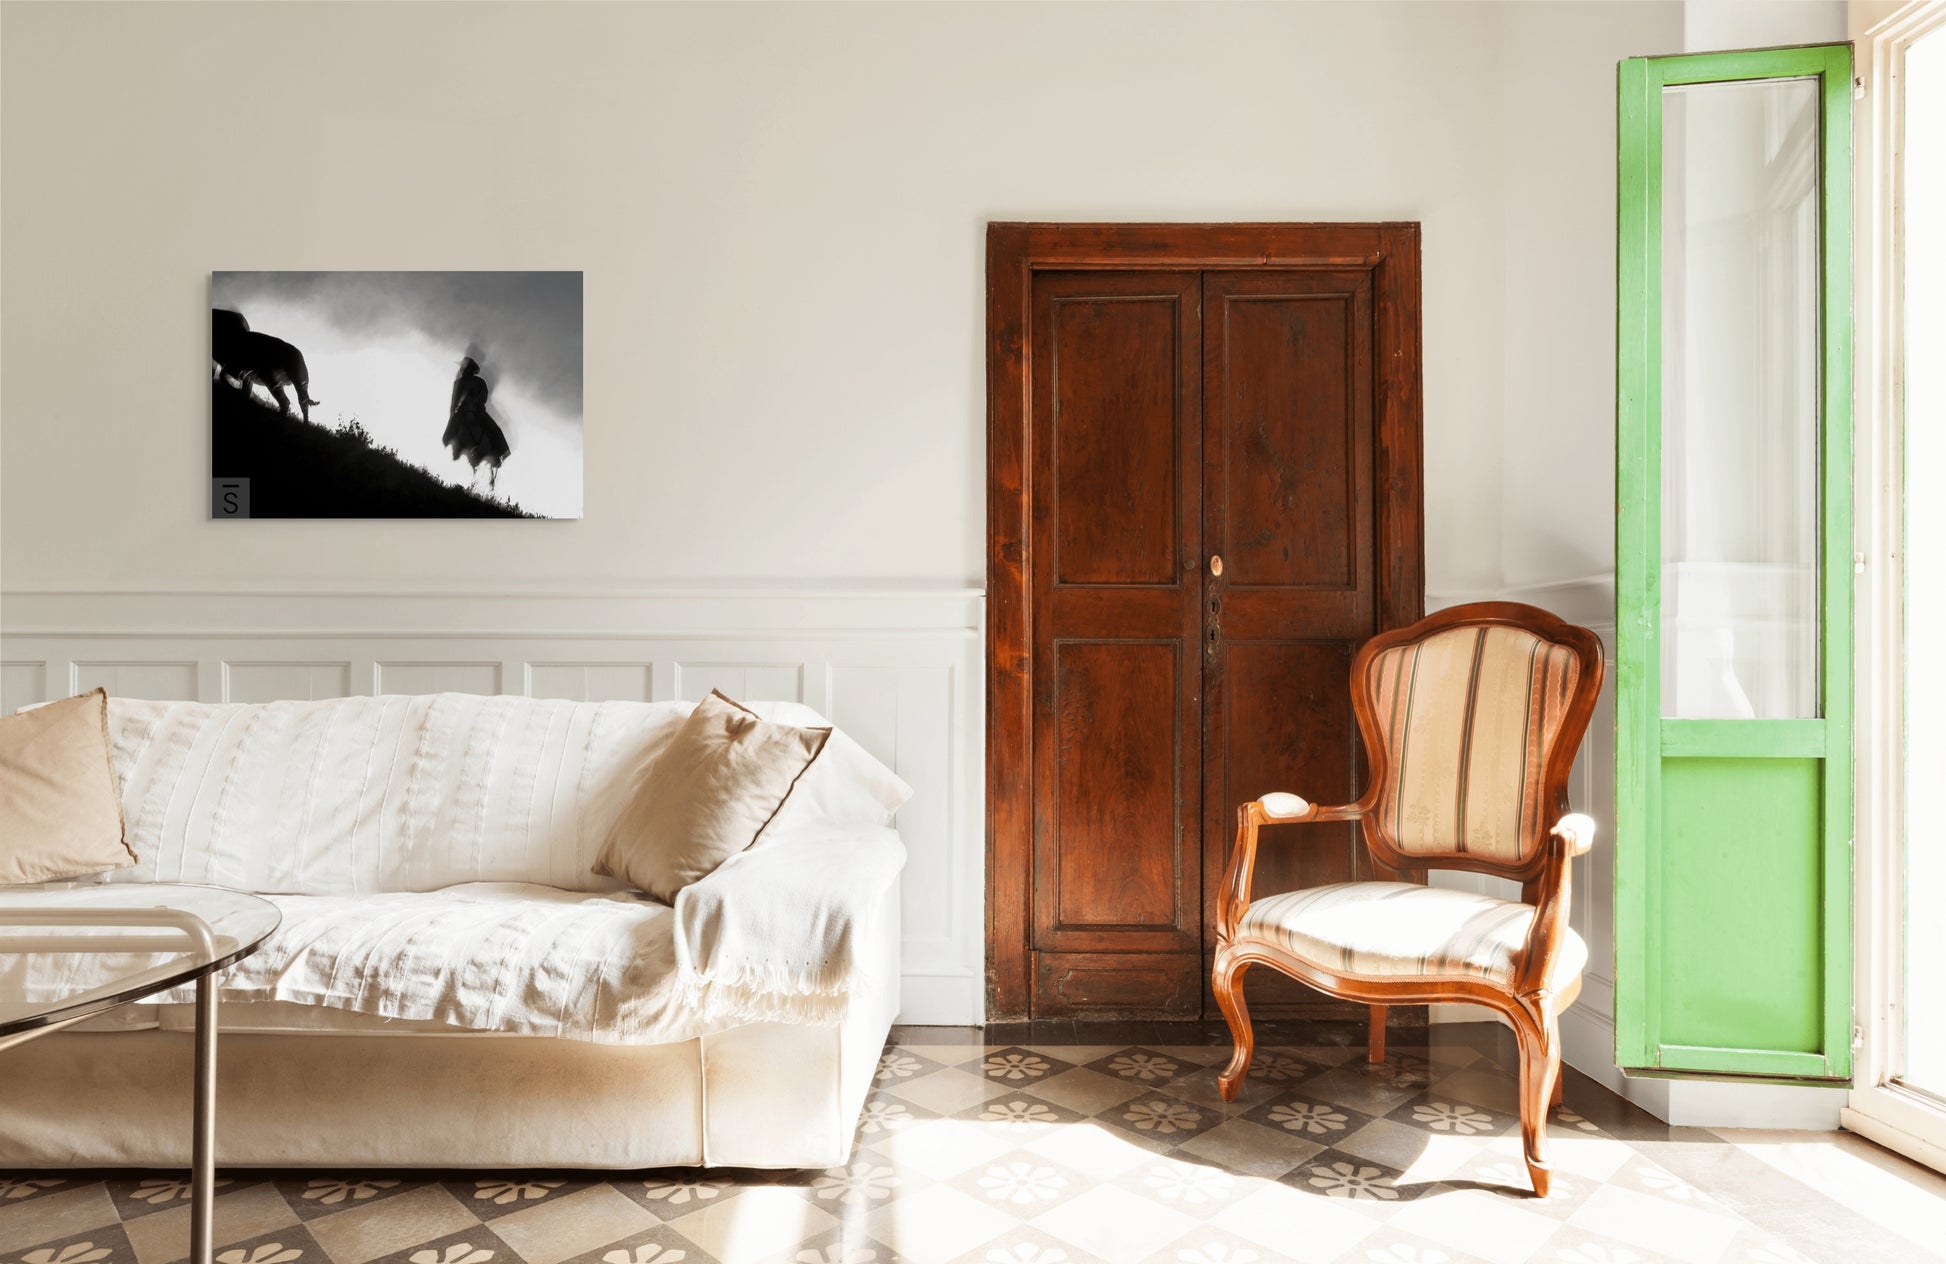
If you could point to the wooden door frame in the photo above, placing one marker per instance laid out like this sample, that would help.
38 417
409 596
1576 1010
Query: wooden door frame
1015 251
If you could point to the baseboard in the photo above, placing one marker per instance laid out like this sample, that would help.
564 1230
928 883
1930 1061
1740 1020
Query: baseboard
1724 1104
1588 1045
1452 1013
942 1000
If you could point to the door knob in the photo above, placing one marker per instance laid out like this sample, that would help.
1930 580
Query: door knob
1216 564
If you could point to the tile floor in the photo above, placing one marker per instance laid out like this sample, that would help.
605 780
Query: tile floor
1029 1146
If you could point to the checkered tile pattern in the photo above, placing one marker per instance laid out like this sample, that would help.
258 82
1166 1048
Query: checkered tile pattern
977 1153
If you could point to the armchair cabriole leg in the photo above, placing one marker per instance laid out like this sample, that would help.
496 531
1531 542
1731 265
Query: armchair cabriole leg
1227 982
1540 1068
1375 1045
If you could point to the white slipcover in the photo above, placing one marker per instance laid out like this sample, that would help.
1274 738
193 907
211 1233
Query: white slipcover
431 857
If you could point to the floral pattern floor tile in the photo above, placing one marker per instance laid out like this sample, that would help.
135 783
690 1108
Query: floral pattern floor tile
1049 1153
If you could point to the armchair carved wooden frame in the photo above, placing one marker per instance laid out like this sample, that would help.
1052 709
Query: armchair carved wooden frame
1471 719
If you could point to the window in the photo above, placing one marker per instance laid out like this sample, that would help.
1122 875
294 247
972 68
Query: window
1922 351
1899 1096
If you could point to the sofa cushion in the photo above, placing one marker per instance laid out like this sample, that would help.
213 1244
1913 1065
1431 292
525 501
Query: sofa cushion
706 796
59 814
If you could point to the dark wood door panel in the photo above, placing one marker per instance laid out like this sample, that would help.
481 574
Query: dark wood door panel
1107 985
1116 382
1291 354
1288 443
1113 411
1116 856
1117 717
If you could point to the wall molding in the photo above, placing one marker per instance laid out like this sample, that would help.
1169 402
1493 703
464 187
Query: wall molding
898 668
1588 600
576 611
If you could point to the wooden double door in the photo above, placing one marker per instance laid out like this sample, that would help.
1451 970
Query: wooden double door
1221 502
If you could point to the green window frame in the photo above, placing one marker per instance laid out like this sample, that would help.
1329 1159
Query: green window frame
1760 826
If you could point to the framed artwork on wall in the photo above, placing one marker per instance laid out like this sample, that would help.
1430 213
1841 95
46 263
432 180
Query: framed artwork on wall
395 395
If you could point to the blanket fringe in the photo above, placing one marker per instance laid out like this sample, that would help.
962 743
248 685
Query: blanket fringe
764 996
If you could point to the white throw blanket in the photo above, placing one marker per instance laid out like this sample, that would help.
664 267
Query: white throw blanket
773 934
481 956
430 857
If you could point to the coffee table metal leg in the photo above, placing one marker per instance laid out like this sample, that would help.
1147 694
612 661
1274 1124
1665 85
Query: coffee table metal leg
202 1175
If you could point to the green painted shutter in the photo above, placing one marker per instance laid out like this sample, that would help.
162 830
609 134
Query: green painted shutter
1733 668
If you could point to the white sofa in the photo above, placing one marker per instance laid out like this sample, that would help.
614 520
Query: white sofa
451 986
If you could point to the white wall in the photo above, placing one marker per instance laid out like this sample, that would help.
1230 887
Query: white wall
1714 25
1557 442
779 210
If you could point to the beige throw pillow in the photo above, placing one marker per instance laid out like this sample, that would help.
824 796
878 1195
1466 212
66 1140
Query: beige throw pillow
706 797
60 813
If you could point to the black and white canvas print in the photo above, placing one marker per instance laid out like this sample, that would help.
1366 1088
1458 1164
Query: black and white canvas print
395 394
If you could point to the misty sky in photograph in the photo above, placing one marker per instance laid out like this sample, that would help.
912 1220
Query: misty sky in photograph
383 347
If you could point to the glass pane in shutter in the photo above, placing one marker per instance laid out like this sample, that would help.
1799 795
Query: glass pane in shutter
1740 400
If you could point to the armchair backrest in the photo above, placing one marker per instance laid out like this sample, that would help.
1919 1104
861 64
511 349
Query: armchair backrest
1471 720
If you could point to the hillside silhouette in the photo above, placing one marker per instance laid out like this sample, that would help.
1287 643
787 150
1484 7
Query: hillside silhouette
300 469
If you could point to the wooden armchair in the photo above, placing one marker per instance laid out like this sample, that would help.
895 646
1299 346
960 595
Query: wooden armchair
1471 719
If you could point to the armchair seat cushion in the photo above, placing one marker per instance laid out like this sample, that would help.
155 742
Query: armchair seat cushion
1397 930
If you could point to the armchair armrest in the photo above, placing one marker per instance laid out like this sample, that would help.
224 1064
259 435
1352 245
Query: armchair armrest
1276 808
1577 831
1279 806
1573 835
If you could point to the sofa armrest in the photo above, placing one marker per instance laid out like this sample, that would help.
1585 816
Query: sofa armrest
781 932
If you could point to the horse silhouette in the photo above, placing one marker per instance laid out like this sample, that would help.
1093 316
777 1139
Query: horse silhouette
244 356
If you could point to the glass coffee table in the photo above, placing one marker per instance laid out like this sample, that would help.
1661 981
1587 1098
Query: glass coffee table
152 937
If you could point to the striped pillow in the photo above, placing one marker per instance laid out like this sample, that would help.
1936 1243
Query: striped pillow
1468 717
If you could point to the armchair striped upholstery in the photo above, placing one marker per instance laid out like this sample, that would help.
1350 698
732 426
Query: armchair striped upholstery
1469 717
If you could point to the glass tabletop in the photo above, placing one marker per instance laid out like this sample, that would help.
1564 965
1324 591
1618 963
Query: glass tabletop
69 952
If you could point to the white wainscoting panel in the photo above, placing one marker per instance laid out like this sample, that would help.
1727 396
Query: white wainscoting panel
247 681
135 678
592 682
20 684
775 682
435 676
899 670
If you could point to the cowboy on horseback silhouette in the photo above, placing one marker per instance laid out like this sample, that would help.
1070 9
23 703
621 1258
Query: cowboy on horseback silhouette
471 432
